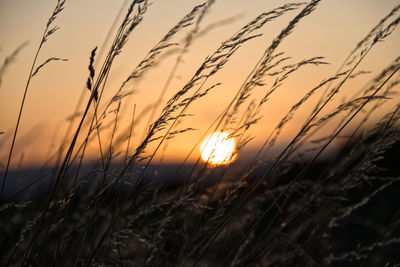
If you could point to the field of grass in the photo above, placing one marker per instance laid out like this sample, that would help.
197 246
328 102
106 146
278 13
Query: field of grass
294 203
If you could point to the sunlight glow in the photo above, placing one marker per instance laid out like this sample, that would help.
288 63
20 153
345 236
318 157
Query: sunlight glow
218 149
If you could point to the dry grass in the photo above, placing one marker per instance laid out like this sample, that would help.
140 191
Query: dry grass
290 210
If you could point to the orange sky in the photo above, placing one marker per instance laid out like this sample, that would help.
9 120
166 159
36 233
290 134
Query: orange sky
332 31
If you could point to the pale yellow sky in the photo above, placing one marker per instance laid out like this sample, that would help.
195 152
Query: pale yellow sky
332 31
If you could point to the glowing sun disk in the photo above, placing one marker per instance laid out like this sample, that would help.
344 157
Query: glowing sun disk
218 148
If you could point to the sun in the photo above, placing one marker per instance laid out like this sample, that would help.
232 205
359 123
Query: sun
218 148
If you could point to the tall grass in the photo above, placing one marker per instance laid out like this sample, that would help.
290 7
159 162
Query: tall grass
293 209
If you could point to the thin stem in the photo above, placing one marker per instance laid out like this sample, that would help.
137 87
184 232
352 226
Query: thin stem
20 112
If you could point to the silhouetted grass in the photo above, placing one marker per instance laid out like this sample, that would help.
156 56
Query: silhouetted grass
294 209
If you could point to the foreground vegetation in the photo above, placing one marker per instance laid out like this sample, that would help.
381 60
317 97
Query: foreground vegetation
293 209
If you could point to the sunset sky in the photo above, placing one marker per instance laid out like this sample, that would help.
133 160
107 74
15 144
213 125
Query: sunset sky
331 31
